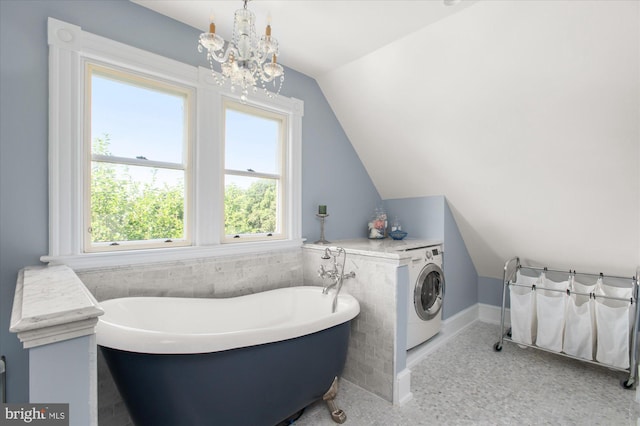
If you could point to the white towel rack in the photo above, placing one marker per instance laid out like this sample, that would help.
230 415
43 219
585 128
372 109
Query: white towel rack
512 266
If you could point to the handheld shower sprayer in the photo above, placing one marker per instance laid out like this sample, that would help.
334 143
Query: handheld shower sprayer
336 274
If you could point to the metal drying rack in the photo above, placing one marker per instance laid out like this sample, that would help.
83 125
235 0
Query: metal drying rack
511 266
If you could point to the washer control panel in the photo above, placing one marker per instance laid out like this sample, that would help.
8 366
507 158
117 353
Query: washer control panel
434 254
419 255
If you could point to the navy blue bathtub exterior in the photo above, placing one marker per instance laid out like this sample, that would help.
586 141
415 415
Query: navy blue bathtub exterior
251 386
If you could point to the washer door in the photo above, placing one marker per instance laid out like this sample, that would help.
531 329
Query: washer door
429 292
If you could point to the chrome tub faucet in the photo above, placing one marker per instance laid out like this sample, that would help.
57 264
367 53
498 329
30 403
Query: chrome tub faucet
335 274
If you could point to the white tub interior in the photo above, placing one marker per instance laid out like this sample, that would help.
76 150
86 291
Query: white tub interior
198 325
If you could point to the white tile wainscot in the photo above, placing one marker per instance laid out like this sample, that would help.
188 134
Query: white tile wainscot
376 360
55 316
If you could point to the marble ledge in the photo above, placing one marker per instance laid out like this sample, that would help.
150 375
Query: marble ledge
50 305
394 251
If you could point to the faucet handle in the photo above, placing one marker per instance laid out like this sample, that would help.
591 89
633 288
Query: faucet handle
326 255
322 272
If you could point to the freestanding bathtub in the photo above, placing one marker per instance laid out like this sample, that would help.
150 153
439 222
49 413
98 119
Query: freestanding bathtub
248 360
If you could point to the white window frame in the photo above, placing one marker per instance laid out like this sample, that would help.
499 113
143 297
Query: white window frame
280 176
89 246
69 48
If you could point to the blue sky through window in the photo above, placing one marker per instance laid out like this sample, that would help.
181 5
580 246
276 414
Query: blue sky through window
139 121
251 143
142 121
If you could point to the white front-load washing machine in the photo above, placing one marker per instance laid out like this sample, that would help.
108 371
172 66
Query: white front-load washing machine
426 294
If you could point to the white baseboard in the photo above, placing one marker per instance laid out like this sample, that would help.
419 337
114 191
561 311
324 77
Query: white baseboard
402 389
491 314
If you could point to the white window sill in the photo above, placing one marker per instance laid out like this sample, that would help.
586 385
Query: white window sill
136 257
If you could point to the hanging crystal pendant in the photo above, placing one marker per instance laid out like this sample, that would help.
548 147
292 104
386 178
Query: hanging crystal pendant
246 61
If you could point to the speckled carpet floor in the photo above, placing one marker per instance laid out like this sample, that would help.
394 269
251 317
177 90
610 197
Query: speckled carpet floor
465 382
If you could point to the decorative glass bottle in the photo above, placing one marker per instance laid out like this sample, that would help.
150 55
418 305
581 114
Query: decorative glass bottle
378 224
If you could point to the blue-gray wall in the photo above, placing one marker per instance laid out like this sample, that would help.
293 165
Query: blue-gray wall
332 174
460 273
431 217
490 291
420 217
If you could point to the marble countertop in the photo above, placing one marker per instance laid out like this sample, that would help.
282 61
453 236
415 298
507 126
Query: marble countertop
384 248
52 304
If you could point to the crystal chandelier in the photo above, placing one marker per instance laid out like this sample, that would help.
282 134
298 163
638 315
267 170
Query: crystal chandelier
246 61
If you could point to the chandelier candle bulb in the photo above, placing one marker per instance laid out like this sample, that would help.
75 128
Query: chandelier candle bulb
268 31
212 25
322 209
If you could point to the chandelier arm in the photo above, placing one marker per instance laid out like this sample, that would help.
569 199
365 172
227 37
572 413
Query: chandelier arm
265 77
255 64
262 57
223 56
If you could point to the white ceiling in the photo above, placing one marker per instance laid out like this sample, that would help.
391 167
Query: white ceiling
524 114
316 36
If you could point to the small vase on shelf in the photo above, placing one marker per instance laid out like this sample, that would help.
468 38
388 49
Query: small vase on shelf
378 224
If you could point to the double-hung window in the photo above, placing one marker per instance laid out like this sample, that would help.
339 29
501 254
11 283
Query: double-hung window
150 160
137 181
254 180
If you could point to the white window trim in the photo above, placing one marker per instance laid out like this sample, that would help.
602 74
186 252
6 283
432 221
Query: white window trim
69 46
280 176
189 93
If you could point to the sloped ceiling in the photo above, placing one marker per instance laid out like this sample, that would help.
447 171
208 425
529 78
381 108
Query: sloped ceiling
316 36
524 114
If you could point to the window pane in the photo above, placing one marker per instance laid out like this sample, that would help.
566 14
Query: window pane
138 121
250 205
252 142
130 203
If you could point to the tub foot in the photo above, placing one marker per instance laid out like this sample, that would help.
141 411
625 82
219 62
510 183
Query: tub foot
337 415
